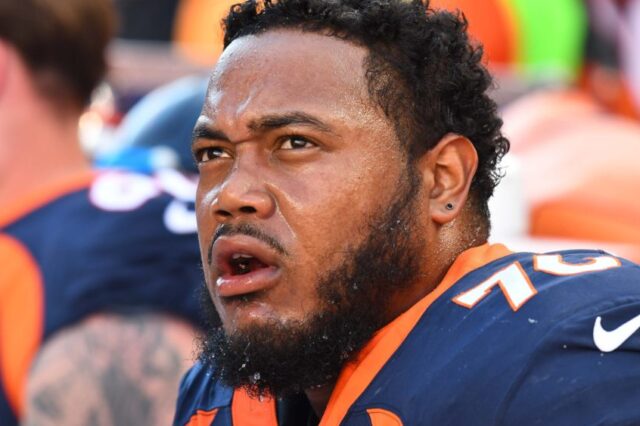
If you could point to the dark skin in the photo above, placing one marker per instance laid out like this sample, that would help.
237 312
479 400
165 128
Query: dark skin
290 142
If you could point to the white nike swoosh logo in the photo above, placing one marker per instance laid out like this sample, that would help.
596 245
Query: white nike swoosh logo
609 341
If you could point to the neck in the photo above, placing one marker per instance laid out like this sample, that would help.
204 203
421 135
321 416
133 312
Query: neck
36 151
319 397
38 138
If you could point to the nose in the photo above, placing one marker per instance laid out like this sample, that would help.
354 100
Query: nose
243 194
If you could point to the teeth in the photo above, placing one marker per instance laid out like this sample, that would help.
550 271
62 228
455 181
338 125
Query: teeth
238 256
241 263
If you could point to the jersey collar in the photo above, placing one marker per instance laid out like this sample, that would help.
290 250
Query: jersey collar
357 375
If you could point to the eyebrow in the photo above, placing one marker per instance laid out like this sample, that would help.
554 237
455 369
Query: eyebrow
263 124
202 131
276 121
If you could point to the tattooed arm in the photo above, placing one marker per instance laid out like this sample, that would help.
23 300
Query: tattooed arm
110 370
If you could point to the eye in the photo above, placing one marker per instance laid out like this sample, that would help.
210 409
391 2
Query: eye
296 142
211 153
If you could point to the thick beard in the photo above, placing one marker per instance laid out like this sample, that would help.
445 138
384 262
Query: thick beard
276 358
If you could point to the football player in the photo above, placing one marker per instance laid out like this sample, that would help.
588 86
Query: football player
346 151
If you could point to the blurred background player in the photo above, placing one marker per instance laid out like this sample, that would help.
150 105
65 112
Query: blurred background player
97 270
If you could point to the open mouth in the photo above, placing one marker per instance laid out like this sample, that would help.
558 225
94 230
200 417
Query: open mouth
244 265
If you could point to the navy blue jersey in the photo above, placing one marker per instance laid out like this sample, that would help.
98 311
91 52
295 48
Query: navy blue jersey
505 339
111 242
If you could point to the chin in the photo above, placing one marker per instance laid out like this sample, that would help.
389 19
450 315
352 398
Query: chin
241 316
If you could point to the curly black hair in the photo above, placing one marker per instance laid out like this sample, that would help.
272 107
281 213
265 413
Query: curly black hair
421 70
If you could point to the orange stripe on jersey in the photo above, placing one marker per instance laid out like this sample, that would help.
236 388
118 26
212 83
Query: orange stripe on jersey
21 312
380 417
203 418
356 376
249 411
42 196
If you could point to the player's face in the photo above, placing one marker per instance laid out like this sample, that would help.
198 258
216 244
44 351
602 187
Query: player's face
295 162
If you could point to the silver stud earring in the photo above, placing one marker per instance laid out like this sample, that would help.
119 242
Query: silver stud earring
449 206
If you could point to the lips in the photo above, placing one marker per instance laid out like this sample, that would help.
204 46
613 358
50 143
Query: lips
244 265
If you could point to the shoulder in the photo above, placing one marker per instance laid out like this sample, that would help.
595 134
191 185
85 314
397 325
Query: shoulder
580 342
126 242
524 297
115 369
516 336
529 305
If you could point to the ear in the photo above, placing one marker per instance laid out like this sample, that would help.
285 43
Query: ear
453 163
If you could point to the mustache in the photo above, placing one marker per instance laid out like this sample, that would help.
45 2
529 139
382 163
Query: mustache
245 229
